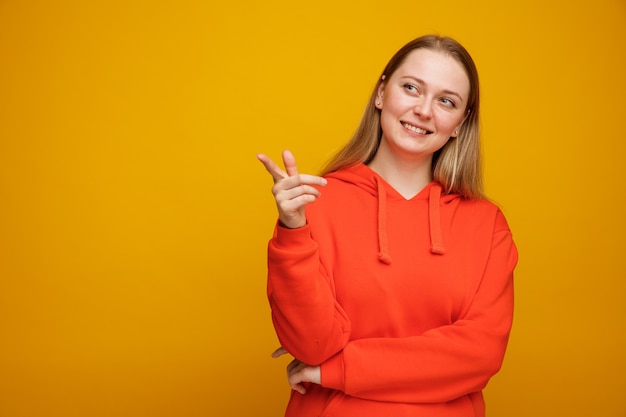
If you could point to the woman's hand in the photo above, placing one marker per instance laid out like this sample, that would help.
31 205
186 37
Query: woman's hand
299 372
291 190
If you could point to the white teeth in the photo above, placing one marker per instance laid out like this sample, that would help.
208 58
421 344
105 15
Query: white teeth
415 129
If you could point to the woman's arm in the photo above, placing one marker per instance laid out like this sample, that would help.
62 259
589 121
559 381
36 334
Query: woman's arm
443 363
309 322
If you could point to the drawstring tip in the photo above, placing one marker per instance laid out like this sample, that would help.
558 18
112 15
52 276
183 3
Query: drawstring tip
384 258
437 249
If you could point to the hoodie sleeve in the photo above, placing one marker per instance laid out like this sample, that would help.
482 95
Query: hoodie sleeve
443 363
308 321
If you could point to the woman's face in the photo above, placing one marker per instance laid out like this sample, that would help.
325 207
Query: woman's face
423 103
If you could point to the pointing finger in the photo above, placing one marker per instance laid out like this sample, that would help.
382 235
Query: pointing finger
290 163
271 167
292 171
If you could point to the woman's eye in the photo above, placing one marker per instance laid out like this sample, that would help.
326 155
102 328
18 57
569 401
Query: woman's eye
448 102
410 87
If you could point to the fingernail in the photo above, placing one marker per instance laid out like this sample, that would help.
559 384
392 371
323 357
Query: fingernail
324 181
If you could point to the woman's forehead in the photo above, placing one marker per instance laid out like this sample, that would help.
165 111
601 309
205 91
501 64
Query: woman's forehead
435 69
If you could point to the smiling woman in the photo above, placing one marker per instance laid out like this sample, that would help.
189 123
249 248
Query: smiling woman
420 112
456 165
394 291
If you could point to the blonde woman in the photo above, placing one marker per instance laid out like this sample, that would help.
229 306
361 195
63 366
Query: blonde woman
394 290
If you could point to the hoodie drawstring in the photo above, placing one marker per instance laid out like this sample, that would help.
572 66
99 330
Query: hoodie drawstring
434 222
383 248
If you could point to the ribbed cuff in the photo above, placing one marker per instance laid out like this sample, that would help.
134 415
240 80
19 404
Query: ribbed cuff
333 375
292 238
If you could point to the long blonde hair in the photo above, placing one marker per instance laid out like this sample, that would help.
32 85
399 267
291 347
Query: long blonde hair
457 165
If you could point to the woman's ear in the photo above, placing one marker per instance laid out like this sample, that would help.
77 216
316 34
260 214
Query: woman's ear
456 131
379 96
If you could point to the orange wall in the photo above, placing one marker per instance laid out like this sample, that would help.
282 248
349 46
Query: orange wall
134 216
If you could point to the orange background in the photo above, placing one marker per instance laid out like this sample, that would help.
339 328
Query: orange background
134 216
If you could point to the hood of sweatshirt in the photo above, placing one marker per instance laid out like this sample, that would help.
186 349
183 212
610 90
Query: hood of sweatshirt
365 178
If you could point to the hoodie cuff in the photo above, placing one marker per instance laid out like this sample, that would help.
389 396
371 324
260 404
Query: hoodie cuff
332 373
289 238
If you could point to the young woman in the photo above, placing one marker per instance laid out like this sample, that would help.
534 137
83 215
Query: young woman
394 290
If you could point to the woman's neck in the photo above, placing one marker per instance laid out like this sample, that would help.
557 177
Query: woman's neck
407 176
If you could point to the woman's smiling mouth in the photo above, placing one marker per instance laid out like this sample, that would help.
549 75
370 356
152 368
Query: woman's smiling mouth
416 129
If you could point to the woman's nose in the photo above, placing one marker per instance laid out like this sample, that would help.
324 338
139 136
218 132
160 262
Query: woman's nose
422 108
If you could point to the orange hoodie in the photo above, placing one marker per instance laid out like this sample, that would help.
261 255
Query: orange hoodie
406 304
